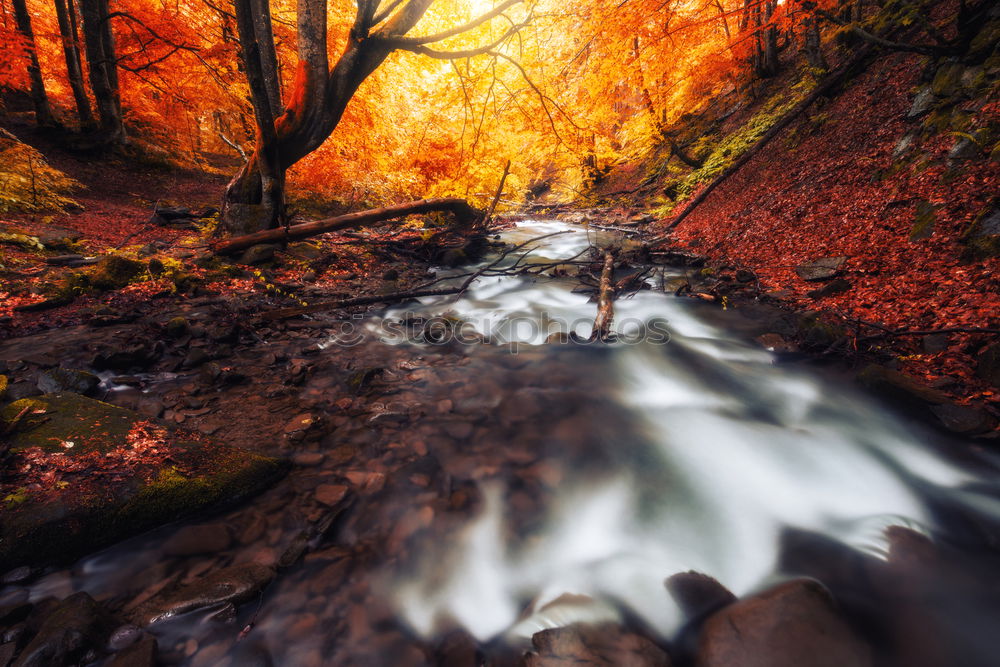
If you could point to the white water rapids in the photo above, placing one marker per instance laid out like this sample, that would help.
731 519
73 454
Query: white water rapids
738 449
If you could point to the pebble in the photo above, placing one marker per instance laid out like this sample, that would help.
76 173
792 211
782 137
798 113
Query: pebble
308 459
330 494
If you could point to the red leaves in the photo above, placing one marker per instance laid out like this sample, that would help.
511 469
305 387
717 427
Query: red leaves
41 471
789 206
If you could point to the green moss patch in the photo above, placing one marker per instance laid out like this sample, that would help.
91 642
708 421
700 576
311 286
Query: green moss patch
83 474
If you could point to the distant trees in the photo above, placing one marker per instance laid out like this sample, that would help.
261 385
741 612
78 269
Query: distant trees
40 100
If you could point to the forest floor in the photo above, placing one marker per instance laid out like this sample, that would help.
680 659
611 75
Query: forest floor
881 189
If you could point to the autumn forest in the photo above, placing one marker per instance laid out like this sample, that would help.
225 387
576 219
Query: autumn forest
499 332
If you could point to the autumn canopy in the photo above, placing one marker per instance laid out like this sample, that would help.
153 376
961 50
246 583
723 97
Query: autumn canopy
373 101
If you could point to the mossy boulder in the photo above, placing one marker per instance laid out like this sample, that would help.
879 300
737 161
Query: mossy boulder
115 272
948 79
983 238
126 483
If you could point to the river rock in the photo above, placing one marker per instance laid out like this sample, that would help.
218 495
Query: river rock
64 379
964 419
605 644
236 584
203 539
142 654
791 625
821 269
698 594
76 624
900 387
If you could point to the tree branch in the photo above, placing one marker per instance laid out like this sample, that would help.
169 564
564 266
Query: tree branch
458 30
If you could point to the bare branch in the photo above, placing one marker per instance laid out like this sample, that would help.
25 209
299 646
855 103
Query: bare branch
458 30
453 55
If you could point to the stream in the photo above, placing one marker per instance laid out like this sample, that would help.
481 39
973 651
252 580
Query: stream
494 489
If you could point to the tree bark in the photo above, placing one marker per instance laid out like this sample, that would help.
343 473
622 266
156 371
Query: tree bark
605 302
102 63
254 199
462 210
65 14
39 99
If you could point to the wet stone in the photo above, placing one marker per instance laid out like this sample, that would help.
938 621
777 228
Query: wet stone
236 584
200 539
330 494
791 625
124 636
604 644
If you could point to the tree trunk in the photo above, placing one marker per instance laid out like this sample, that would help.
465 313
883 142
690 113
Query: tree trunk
71 50
254 199
43 114
102 63
813 42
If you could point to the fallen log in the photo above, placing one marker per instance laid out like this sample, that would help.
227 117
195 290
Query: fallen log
828 84
605 302
465 213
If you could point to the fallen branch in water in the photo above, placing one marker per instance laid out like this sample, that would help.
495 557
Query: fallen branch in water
416 293
605 302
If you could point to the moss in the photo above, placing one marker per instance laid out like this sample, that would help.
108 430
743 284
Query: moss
923 224
55 418
70 520
115 272
3 386
732 147
947 80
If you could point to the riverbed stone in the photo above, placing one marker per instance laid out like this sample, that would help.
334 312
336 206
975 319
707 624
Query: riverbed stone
75 625
603 644
66 521
141 654
236 584
199 539
791 625
698 594
55 380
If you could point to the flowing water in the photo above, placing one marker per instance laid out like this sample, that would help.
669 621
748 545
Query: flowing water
506 487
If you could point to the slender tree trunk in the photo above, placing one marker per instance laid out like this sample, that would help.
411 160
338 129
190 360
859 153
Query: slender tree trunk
813 42
43 114
102 63
66 15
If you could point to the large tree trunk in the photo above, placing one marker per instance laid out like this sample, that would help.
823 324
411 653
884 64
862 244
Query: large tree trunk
66 15
43 114
102 63
254 199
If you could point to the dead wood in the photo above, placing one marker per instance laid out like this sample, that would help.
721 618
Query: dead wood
465 213
605 301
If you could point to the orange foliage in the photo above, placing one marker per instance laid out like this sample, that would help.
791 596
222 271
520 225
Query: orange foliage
586 83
